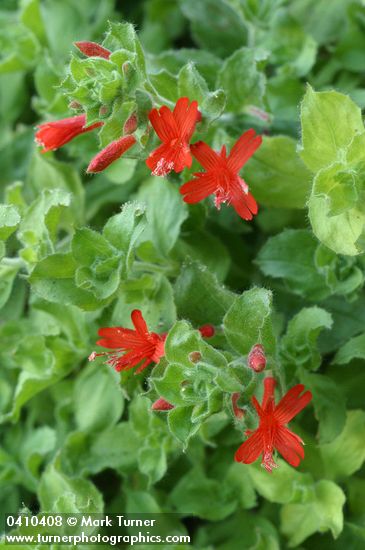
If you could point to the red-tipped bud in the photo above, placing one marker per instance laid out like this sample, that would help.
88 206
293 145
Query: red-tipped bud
195 356
130 124
256 358
112 152
52 135
161 405
104 110
92 49
207 331
74 105
238 412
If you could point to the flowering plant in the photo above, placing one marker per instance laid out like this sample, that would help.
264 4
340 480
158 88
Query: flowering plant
182 266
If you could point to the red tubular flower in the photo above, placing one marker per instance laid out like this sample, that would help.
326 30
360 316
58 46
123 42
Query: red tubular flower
52 135
207 331
238 412
272 432
161 405
112 152
256 358
174 128
130 347
221 176
92 49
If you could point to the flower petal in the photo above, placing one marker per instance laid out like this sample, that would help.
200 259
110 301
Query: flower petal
292 403
250 449
164 131
139 323
199 188
243 149
205 155
244 203
289 446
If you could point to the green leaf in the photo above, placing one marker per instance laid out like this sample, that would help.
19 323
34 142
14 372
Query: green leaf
124 229
165 213
330 121
37 445
59 493
31 17
40 223
180 425
299 344
152 459
346 454
9 220
320 511
191 83
343 232
98 400
248 321
44 364
46 173
329 405
242 82
199 297
53 279
290 255
169 386
276 175
206 249
123 36
7 276
353 349
206 498
215 18
282 487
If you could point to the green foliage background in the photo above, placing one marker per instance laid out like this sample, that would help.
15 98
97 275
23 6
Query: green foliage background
78 437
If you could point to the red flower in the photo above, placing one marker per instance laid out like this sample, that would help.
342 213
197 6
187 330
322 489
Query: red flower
272 432
112 152
161 405
92 49
256 358
130 347
221 176
207 331
52 135
174 130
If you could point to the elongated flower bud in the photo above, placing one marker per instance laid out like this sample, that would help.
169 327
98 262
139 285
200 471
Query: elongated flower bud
130 124
112 152
256 358
161 405
52 135
238 412
207 331
92 49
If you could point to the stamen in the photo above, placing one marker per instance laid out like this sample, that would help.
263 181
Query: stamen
163 168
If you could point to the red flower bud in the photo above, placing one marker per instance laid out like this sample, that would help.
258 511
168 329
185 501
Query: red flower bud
92 49
161 405
112 152
256 358
52 135
74 105
207 331
238 412
195 356
130 124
